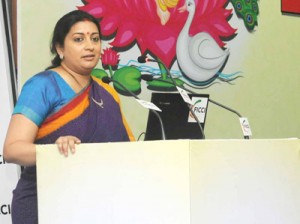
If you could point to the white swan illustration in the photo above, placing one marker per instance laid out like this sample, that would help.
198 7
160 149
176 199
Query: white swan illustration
199 57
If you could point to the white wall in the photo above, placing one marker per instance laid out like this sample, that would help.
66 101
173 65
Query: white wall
8 172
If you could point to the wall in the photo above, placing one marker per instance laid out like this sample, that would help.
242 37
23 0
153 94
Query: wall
268 59
8 172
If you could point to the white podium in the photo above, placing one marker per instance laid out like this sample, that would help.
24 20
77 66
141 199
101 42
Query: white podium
170 182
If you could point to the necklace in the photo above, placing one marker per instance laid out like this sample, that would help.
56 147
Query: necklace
100 104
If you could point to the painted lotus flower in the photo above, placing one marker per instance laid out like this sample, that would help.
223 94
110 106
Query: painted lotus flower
130 22
128 76
110 57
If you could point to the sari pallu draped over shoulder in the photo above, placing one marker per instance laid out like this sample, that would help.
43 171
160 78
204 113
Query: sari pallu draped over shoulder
93 116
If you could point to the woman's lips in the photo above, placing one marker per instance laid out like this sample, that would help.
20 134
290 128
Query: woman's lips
89 57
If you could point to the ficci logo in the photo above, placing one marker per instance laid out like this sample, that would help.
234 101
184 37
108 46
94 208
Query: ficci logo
197 109
2 161
5 210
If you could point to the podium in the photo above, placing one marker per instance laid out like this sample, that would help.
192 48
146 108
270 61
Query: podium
170 182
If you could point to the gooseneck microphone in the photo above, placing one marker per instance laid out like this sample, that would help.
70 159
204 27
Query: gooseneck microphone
107 80
143 59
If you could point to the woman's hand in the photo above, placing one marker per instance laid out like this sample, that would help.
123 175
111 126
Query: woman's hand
66 143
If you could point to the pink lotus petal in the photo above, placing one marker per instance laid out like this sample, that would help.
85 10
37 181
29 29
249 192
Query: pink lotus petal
135 21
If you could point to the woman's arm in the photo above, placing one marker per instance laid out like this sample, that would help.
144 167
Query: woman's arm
19 144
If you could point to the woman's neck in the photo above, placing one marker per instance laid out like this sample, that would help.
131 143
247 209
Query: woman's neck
81 80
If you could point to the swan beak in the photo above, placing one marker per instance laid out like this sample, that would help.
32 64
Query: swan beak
182 8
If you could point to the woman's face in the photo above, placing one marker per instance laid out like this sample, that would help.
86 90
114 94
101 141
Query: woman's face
82 47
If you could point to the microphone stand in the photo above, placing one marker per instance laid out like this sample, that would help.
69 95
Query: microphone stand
190 107
220 105
107 80
214 102
143 59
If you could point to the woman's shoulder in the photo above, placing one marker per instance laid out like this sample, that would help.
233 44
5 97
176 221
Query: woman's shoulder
48 80
43 77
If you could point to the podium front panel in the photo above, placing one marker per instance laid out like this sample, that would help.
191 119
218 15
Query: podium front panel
245 181
115 183
170 182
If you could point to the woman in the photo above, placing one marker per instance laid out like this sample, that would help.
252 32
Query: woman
62 105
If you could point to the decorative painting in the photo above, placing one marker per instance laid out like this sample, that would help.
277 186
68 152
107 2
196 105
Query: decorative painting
190 35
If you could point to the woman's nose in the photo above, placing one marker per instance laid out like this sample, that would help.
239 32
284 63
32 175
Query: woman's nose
89 45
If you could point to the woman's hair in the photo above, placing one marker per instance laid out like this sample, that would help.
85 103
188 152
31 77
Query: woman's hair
63 27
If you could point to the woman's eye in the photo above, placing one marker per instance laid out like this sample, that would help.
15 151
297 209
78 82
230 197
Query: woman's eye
78 39
95 39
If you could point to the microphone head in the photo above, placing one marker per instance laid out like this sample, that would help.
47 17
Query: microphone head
142 59
106 79
147 77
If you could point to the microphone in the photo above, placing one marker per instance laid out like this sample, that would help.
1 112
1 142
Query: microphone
143 59
107 80
147 77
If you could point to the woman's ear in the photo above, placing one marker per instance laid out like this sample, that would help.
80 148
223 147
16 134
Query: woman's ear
59 50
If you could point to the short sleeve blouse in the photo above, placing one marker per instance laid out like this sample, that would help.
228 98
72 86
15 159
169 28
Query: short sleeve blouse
42 95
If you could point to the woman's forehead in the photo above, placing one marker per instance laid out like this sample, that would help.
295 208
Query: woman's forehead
84 27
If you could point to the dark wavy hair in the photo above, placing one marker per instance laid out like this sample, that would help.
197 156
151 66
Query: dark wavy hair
63 27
